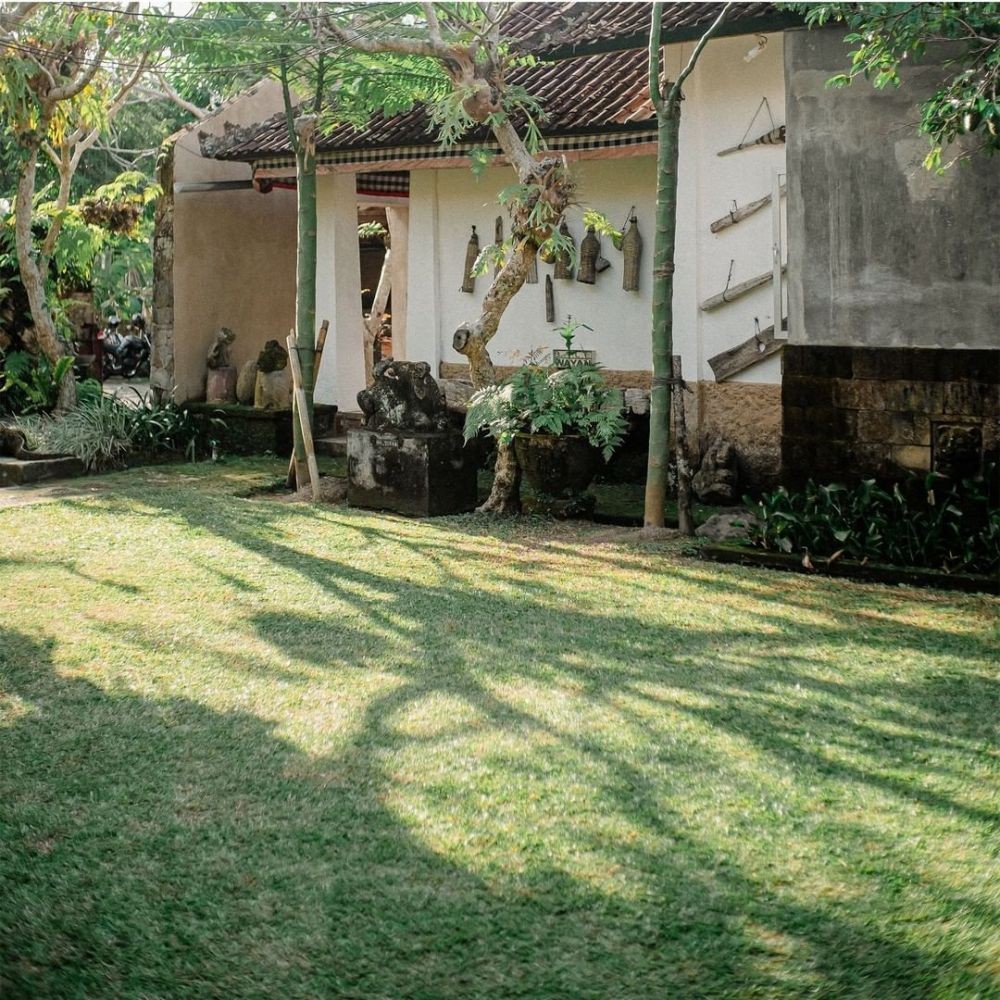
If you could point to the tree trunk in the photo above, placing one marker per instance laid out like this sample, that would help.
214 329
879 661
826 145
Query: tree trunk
33 279
305 280
668 130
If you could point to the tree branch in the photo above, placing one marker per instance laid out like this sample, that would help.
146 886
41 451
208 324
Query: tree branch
171 94
655 62
673 98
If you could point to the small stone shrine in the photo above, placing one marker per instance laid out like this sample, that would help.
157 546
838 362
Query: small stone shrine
407 458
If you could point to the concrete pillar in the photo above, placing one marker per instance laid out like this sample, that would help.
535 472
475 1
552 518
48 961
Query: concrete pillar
423 300
338 290
399 232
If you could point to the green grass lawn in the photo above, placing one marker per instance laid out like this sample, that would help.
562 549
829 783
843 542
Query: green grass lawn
260 749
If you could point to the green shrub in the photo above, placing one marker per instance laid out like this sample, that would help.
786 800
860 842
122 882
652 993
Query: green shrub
105 431
574 400
928 523
30 384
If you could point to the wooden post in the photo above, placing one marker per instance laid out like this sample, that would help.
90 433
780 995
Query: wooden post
685 518
302 407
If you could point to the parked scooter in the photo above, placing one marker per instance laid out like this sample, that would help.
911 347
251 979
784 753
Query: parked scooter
124 353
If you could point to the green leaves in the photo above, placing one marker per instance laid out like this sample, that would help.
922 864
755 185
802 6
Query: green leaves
926 522
574 400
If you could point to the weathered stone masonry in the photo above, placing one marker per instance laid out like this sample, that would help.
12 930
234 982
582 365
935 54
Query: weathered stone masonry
852 412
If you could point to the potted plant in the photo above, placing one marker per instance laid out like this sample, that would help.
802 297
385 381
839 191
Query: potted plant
564 357
560 422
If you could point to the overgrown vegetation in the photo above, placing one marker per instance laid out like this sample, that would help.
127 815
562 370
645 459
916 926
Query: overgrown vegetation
572 400
924 522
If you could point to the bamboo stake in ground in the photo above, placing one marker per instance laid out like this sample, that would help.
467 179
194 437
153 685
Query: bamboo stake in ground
685 518
303 411
291 479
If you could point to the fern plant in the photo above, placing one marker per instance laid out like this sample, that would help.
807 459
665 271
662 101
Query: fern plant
574 400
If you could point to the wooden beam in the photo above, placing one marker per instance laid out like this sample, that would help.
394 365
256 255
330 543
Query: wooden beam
737 359
735 291
739 214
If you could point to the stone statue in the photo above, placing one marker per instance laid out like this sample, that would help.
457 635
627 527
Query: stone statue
218 353
403 397
274 358
716 480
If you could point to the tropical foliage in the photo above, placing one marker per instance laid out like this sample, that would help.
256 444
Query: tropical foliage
930 522
573 400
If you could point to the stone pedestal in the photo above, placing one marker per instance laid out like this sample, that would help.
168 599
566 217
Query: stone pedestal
220 385
422 474
273 390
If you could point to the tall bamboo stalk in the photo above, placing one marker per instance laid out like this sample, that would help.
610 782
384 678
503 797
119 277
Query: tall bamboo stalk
668 124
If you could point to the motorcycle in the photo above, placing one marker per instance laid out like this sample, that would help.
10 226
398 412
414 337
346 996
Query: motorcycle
125 354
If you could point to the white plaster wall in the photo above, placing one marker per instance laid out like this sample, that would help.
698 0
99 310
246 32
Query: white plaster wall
721 97
338 290
234 251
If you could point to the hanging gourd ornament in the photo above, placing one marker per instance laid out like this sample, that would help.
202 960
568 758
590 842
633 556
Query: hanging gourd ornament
632 253
471 253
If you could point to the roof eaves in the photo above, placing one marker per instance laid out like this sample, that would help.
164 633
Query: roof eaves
777 21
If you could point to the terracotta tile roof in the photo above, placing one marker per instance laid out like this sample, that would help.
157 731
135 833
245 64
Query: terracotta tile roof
581 95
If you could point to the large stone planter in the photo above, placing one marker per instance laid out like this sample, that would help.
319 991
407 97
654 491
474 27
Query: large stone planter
419 473
557 464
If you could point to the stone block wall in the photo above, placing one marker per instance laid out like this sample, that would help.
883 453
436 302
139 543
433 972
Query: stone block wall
858 412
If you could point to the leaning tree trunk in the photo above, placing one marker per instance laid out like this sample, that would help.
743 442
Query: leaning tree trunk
33 279
551 183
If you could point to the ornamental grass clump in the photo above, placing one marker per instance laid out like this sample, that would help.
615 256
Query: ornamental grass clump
928 523
104 432
573 400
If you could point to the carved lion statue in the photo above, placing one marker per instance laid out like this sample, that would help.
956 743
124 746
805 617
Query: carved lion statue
218 353
403 397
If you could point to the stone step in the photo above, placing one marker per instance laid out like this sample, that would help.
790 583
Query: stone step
332 446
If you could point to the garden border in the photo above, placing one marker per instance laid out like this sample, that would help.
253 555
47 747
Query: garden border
868 572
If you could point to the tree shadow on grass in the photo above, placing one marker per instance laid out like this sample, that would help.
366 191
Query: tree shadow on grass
158 848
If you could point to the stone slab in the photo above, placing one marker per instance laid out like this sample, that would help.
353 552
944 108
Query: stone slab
20 472
418 474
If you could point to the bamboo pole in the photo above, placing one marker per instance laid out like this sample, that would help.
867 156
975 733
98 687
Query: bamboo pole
685 518
303 412
291 479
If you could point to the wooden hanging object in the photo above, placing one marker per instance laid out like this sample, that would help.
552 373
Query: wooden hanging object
550 305
590 250
498 241
471 253
532 276
742 212
564 264
632 254
735 291
775 137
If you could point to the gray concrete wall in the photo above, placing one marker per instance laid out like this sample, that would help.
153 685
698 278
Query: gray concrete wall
882 252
